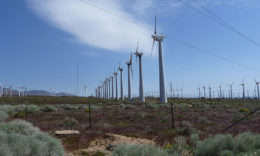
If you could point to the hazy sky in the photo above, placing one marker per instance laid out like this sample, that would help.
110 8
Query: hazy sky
41 41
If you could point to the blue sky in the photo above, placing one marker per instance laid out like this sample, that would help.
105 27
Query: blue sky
41 41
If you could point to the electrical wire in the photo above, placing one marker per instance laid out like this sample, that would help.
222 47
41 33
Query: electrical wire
224 23
174 39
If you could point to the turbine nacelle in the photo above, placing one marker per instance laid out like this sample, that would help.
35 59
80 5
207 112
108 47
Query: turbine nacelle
158 37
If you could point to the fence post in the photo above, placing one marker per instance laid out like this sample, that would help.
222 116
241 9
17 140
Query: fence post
89 116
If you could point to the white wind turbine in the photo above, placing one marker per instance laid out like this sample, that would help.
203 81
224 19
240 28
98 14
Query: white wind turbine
85 87
209 92
231 90
159 38
257 87
1 90
141 86
130 71
112 80
243 89
121 82
115 73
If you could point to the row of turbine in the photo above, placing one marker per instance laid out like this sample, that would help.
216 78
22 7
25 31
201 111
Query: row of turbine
208 92
9 91
106 89
103 91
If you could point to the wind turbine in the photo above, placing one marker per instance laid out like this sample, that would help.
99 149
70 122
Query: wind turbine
171 90
199 93
10 91
121 81
85 87
204 90
130 70
115 73
112 80
1 91
257 86
243 88
141 86
231 90
209 92
220 92
159 38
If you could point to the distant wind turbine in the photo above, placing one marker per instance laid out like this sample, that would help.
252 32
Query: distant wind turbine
130 70
204 90
199 92
209 92
141 87
243 89
257 87
159 38
115 73
85 87
121 82
112 80
230 90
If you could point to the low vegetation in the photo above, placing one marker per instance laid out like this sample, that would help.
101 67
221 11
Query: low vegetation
22 138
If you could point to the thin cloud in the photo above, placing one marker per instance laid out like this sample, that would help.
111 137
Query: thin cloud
93 27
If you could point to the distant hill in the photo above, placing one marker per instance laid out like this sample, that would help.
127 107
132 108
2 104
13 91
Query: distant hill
36 93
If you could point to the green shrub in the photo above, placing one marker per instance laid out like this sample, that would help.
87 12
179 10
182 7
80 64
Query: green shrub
98 153
69 122
48 108
226 145
69 107
194 138
3 115
19 108
33 109
21 138
203 120
19 114
7 108
138 150
244 110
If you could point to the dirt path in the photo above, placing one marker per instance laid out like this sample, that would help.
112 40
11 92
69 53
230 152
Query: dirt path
109 142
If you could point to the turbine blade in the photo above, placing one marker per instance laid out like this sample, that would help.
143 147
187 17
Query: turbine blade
132 72
152 47
155 25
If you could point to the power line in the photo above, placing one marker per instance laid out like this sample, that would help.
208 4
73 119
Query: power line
174 39
116 15
214 55
224 23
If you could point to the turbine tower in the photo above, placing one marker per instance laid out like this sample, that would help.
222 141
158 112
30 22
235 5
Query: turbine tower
130 70
199 93
243 89
115 73
121 82
112 80
85 87
141 87
1 91
209 92
220 91
231 90
159 38
204 90
257 87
